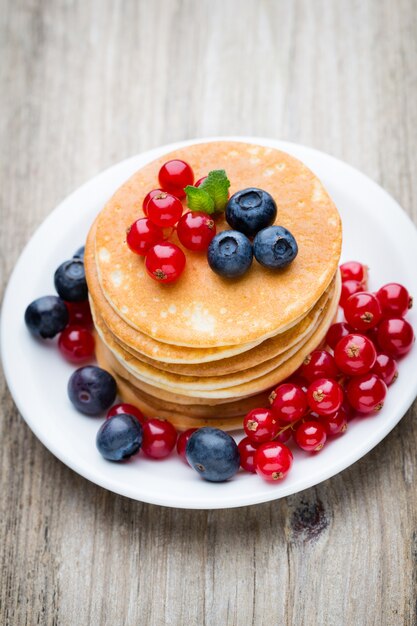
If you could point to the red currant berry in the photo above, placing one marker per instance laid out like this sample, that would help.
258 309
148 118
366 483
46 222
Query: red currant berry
336 332
386 368
362 310
79 314
394 300
126 409
261 425
284 435
318 364
142 235
273 460
200 180
355 354
165 262
395 337
336 423
310 436
247 451
76 344
151 194
324 396
159 438
174 176
288 402
352 270
182 442
164 209
195 230
366 393
349 287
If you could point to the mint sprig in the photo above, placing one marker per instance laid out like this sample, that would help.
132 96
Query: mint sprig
211 195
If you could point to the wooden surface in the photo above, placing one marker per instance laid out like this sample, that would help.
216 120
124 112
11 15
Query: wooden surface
85 83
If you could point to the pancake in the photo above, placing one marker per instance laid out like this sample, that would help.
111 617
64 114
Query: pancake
201 309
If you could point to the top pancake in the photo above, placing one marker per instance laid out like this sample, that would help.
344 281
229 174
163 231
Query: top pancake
202 309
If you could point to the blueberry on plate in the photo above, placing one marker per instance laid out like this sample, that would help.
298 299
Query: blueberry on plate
250 210
79 254
275 247
46 316
70 281
119 437
230 254
91 389
213 454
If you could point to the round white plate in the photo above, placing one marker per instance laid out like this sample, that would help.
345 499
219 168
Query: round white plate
376 232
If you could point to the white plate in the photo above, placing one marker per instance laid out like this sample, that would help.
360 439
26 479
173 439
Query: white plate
376 232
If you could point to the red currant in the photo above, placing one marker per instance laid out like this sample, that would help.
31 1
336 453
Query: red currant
149 195
310 436
76 344
395 337
164 209
195 230
336 332
261 425
362 310
325 396
284 435
288 402
273 460
247 451
126 409
366 393
79 314
200 180
352 270
394 300
355 354
386 368
182 442
335 423
349 287
165 262
318 364
174 176
159 438
142 235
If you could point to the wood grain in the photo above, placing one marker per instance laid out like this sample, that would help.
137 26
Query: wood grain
85 83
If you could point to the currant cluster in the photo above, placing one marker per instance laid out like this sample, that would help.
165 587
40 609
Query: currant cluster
333 385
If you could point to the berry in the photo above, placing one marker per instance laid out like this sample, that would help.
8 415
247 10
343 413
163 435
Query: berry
200 181
230 254
159 438
174 176
310 436
261 425
182 442
336 332
195 230
91 390
119 437
79 254
395 337
386 368
250 210
362 310
352 270
125 408
324 396
335 423
46 317
164 209
273 460
394 299
275 247
247 451
213 454
366 393
349 287
79 314
318 364
70 281
288 402
76 344
355 354
142 235
165 262
284 435
149 195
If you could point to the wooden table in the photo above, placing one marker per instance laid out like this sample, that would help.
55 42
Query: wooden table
85 83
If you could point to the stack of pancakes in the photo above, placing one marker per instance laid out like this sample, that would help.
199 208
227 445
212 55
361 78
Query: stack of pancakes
205 350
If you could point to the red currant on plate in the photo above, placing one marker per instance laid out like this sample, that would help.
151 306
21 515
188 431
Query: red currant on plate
318 364
142 235
76 344
395 337
335 423
362 310
195 230
366 393
79 314
349 287
261 425
273 460
336 332
325 396
165 262
174 176
159 438
149 195
247 451
288 402
386 368
394 299
355 354
182 442
164 209
285 434
352 270
126 409
200 180
310 436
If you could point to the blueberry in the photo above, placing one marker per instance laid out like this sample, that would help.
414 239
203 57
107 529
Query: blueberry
70 281
250 210
213 454
91 389
46 316
230 254
275 247
119 437
79 254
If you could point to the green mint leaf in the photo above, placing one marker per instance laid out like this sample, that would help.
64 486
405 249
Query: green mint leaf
217 186
199 200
